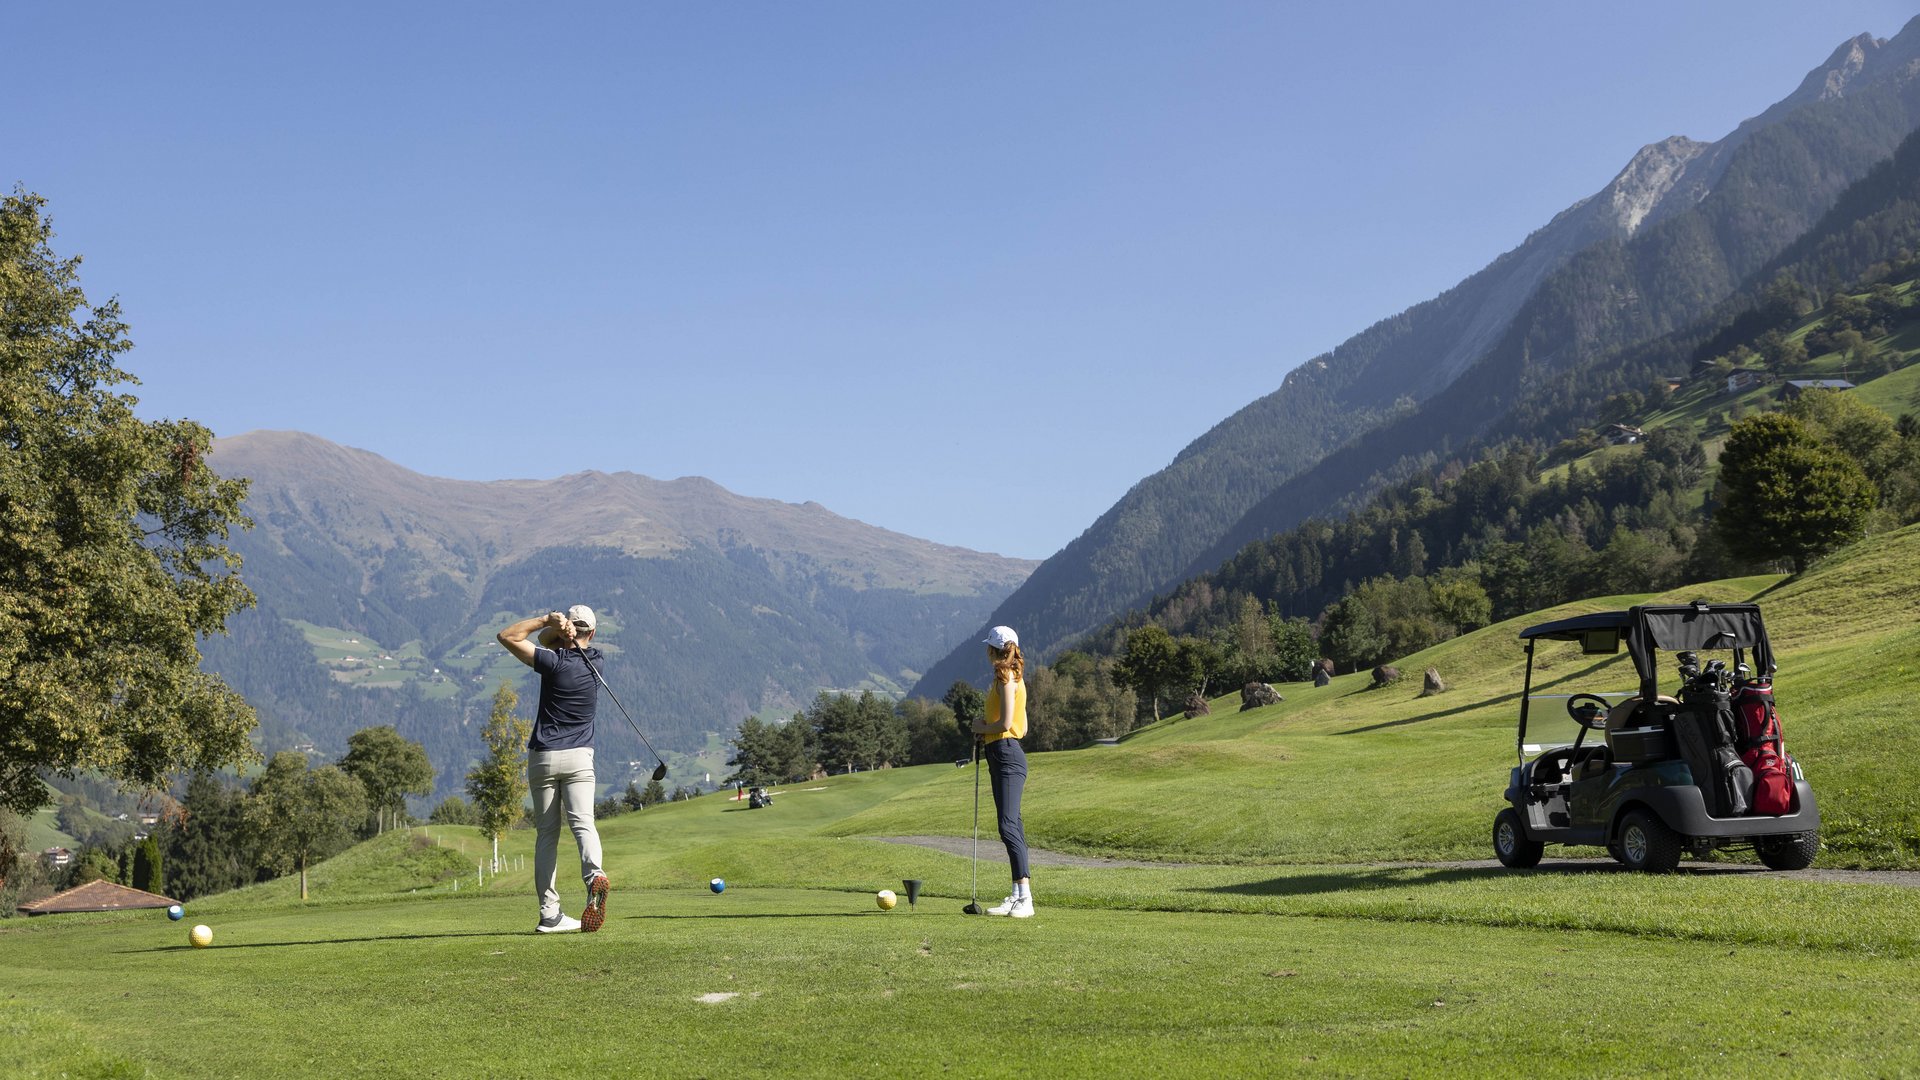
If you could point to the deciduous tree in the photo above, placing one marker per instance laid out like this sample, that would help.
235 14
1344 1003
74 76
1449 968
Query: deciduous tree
1150 664
498 785
113 558
390 768
1783 495
301 815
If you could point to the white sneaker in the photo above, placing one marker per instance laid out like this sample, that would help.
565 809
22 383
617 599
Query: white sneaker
1022 908
561 924
1004 907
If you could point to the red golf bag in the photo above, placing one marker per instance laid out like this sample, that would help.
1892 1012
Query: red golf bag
1761 748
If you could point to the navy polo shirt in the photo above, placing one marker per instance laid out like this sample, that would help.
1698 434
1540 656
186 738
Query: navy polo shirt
569 695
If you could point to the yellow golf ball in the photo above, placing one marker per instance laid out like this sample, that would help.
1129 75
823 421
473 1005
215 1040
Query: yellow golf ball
885 899
201 936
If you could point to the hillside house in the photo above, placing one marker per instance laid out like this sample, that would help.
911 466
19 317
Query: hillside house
1621 435
1793 388
56 858
1742 380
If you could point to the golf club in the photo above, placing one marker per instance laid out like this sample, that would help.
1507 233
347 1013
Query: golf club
660 768
973 876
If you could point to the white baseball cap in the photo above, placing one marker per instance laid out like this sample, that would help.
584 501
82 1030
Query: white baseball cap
581 615
1002 636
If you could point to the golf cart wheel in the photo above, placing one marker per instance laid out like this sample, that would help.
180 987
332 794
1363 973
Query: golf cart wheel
1647 845
1510 842
1794 851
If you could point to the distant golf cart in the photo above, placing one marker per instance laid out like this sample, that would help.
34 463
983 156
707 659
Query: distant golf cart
1649 776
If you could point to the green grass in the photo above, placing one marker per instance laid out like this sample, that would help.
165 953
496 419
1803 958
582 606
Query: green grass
1347 773
1269 935
1182 971
43 833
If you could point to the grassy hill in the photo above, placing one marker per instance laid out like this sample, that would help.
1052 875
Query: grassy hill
1350 773
1277 932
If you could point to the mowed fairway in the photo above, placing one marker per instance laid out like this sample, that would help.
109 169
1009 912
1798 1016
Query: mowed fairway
780 982
1269 935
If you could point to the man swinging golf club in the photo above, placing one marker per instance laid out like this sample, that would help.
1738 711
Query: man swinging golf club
560 756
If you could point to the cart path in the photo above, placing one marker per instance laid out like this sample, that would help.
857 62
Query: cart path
963 846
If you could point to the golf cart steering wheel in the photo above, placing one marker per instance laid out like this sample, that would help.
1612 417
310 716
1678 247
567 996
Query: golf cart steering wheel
1596 722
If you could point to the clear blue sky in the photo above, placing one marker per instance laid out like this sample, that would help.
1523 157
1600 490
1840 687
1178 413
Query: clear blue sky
966 271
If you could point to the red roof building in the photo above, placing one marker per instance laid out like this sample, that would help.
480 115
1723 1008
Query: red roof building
99 895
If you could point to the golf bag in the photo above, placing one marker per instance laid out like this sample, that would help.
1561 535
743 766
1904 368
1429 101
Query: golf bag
1704 730
1761 748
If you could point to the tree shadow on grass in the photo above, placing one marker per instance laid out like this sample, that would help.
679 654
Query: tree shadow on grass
1482 703
768 915
1367 879
332 941
1375 878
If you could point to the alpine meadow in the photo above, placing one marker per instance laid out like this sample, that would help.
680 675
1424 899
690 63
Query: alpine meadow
1520 684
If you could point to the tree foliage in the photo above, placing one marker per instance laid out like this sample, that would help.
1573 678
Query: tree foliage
454 810
1150 664
112 547
1784 495
1075 700
389 767
498 785
303 815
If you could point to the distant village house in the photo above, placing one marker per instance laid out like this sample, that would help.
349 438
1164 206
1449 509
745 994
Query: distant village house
1621 434
1793 388
1742 380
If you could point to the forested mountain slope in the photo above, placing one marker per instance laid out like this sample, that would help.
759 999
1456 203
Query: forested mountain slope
1633 516
1671 236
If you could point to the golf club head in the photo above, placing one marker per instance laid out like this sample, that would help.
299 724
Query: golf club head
973 909
660 771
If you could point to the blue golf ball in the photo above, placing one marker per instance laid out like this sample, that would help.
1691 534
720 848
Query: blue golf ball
717 885
176 913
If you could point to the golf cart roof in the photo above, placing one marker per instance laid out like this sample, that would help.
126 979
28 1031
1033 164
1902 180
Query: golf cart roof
1651 628
1647 630
1672 627
1577 627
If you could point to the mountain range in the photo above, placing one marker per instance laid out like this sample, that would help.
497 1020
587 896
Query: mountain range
380 590
1679 229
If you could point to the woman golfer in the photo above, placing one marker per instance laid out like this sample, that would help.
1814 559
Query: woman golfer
1000 733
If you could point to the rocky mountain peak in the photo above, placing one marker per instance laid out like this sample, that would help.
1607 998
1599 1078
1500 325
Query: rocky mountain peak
1652 174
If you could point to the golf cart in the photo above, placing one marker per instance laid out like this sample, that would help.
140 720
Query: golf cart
1650 776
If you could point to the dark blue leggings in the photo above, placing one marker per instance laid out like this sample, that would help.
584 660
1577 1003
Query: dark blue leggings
1007 766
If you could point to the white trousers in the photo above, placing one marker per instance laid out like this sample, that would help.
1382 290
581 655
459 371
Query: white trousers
561 781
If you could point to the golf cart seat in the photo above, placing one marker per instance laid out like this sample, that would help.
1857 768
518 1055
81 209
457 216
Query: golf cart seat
1636 734
1628 714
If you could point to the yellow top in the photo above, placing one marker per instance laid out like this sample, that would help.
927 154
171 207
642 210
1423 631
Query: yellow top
1015 730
